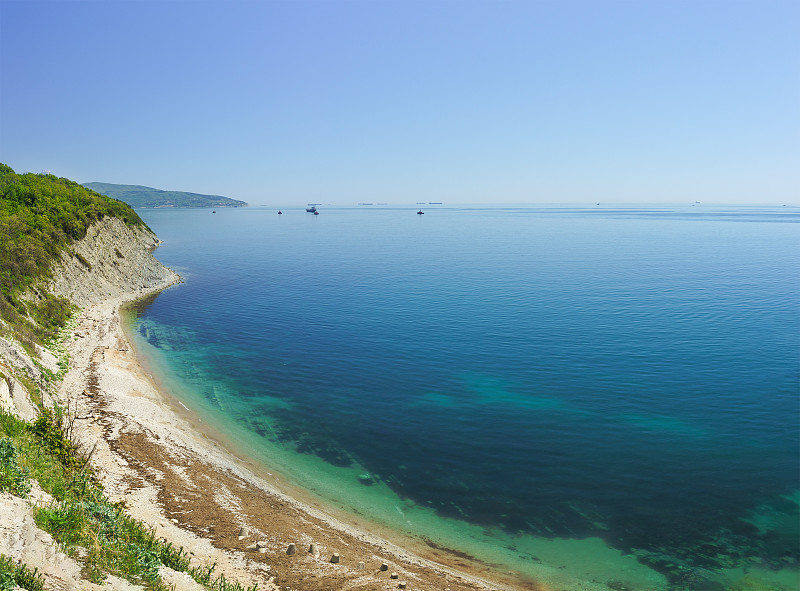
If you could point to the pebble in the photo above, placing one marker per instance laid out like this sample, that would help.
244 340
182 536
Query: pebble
335 558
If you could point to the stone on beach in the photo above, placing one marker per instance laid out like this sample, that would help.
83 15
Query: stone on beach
292 549
384 566
243 533
335 558
313 550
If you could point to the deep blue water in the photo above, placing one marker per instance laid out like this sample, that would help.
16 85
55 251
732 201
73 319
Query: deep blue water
626 374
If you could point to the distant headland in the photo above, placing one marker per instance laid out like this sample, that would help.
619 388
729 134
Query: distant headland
139 196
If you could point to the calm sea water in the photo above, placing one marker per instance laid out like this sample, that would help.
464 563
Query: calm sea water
531 386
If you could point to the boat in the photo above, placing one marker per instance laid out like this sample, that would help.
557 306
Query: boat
280 212
312 209
213 211
420 212
316 212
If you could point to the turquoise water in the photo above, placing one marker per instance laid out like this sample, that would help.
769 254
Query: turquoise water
584 396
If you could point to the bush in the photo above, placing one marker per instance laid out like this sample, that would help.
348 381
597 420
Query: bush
54 431
13 477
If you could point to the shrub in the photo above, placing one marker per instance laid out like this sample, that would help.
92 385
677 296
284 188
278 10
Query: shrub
54 430
13 477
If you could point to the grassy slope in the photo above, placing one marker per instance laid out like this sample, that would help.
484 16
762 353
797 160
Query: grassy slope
139 196
40 216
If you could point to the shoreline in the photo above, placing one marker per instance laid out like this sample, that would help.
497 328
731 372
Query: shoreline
166 465
567 564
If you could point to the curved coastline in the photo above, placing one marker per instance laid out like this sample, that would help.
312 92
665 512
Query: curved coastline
567 564
153 454
201 368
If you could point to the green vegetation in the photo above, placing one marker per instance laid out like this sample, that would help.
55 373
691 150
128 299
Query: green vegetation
13 575
89 527
13 477
40 215
139 196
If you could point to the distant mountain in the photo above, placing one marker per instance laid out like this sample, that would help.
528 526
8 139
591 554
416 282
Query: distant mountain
138 196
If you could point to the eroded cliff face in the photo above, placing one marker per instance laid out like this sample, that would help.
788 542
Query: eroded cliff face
112 260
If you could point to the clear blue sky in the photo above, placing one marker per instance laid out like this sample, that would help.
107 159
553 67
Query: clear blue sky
404 101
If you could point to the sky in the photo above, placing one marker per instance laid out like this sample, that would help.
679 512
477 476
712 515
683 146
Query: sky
296 101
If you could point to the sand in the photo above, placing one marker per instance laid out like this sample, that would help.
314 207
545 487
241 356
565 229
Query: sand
150 452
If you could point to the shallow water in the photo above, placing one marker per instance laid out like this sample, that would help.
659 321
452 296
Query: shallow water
576 395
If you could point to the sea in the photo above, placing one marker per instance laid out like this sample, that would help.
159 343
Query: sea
590 397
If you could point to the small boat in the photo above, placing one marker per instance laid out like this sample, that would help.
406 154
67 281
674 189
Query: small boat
312 209
213 211
420 212
316 212
280 212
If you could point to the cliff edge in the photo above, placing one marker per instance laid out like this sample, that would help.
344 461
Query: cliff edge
112 260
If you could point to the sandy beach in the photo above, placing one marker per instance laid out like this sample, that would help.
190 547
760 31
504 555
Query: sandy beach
171 472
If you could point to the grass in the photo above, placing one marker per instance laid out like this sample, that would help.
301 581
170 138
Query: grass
93 530
14 574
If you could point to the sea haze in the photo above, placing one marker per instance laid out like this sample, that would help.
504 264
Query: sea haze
527 385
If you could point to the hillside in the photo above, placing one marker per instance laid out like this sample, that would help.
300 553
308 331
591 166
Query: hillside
139 196
41 217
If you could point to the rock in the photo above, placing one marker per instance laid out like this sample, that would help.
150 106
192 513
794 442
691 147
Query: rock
292 549
384 566
393 576
312 549
85 286
361 566
243 533
335 558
